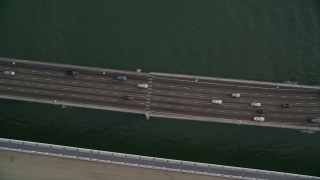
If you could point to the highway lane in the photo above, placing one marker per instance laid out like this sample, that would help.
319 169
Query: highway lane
56 85
188 97
169 95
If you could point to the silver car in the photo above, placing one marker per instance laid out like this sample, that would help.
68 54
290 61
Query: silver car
9 73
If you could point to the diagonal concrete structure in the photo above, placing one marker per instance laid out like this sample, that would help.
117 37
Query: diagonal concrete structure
18 158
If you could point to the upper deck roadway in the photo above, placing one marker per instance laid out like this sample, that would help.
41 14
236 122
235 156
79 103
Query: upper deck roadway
168 95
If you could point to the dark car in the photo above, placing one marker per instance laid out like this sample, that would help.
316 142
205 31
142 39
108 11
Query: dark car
121 78
286 105
72 72
261 111
128 98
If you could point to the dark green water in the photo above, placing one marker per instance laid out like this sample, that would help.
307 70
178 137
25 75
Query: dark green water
252 39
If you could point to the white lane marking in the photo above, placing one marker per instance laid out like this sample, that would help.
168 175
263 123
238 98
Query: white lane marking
62 81
60 94
34 71
175 86
194 108
75 82
8 88
22 90
87 97
35 78
115 93
74 95
186 87
101 98
116 86
27 84
79 89
90 91
36 91
48 92
168 106
14 82
47 79
41 85
312 103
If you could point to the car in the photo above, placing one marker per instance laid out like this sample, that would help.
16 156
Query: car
216 101
9 73
236 95
121 78
72 72
258 118
255 104
261 111
142 85
286 105
128 98
314 120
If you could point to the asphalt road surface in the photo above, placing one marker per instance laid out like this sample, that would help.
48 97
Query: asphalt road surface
166 94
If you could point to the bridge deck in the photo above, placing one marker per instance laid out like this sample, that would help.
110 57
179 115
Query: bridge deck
168 95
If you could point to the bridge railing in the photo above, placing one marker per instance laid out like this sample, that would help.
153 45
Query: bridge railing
144 161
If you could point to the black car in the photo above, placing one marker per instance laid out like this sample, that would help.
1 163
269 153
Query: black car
72 72
286 105
260 111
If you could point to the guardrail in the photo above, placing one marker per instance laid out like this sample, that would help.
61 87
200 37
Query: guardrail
145 162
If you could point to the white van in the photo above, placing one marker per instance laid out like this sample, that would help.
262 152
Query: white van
255 104
216 101
256 118
236 95
142 85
